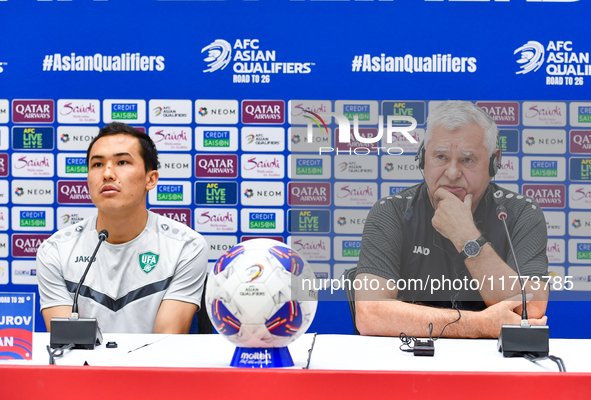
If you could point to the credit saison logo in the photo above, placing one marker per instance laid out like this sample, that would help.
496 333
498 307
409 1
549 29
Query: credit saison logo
583 251
584 114
32 219
564 65
99 63
262 220
351 248
124 111
217 138
309 166
169 193
544 169
251 62
76 165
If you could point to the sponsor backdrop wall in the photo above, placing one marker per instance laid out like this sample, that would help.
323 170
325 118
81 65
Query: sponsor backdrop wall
222 87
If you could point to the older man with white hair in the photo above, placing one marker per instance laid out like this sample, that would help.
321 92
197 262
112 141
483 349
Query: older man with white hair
438 247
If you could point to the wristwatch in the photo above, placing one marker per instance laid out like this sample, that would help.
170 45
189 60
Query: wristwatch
473 247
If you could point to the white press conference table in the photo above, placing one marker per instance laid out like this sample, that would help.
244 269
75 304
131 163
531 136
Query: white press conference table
197 366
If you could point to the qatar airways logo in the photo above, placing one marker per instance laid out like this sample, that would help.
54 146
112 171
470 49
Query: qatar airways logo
547 196
223 220
263 166
263 112
309 193
32 111
216 166
26 245
73 192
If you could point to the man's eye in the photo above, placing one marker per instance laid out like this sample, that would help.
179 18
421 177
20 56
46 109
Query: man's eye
123 162
469 160
441 157
97 165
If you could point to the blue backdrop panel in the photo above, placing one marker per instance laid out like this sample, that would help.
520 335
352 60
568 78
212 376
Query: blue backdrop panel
152 64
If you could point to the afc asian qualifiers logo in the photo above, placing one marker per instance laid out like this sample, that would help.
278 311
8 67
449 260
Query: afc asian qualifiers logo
532 57
219 55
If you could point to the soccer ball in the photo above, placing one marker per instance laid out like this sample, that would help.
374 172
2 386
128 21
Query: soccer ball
250 299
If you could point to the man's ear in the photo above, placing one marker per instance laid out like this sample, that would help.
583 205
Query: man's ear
151 179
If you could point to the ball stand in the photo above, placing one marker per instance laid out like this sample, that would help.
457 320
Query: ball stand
274 357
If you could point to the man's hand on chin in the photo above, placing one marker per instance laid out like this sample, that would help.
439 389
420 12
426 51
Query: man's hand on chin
453 217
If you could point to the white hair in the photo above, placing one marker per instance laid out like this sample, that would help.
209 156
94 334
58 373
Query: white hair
455 114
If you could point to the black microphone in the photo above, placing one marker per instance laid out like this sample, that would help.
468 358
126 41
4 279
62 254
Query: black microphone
502 215
524 339
103 235
83 333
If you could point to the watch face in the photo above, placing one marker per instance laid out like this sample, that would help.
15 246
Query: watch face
472 248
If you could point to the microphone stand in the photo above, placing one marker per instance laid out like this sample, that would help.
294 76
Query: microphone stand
82 333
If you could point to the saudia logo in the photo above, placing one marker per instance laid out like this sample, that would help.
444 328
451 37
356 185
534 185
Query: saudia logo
253 163
301 245
346 192
148 261
205 218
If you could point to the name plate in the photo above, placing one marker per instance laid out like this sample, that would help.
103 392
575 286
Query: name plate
17 321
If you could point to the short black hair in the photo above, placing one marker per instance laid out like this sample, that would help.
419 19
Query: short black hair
147 147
